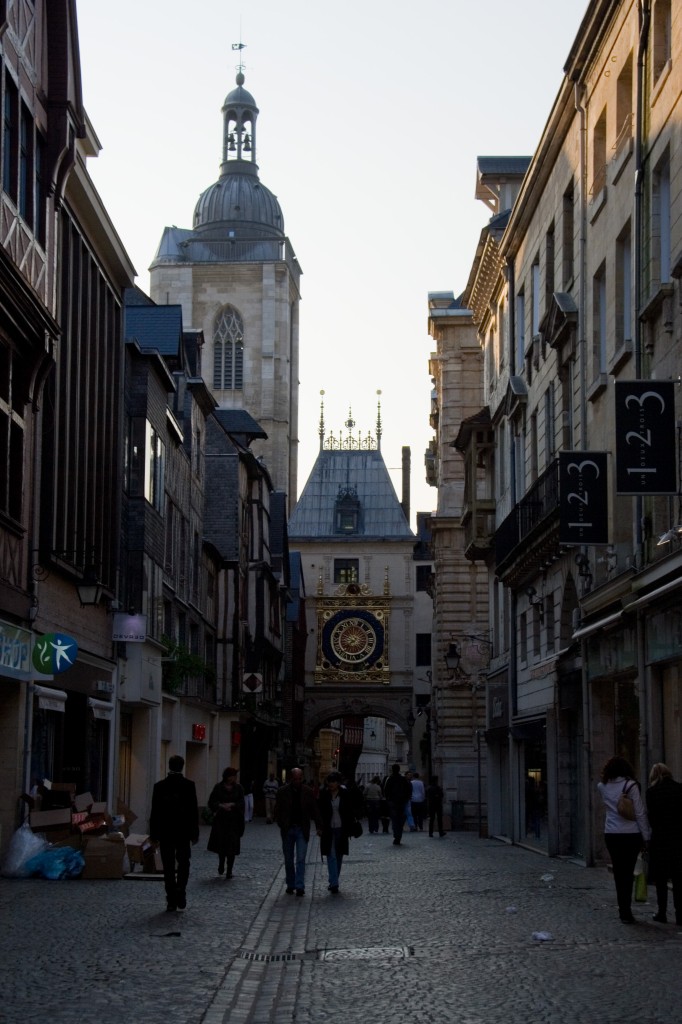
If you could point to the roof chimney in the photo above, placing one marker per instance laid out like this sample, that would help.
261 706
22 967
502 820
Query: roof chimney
405 503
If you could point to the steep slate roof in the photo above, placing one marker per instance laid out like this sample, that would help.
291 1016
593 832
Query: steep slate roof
381 514
240 424
155 327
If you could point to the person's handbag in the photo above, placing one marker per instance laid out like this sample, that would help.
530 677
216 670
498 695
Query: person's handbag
625 806
357 829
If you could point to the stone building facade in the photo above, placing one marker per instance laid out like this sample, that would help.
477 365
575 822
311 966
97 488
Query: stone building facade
574 302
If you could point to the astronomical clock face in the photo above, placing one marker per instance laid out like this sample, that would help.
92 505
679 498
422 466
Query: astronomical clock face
353 640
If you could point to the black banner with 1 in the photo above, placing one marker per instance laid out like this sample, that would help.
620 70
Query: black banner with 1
583 498
646 461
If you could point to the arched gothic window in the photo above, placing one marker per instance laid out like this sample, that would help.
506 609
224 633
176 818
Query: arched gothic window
228 350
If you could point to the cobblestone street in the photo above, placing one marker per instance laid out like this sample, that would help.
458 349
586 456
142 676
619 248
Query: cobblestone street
432 930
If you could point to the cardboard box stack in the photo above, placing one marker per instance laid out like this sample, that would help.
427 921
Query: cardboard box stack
83 823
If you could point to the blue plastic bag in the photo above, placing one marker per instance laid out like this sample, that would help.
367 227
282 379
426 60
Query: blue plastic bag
56 862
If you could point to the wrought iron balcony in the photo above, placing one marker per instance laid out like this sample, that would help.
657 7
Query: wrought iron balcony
530 532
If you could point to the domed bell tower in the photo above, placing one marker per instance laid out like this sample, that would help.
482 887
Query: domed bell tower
237 278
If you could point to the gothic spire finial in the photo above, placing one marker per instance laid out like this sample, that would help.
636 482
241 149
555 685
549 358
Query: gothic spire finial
321 427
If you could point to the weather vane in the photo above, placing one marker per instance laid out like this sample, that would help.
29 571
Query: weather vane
240 46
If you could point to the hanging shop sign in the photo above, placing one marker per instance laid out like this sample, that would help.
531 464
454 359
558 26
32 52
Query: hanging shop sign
645 437
15 651
54 653
131 629
252 682
583 498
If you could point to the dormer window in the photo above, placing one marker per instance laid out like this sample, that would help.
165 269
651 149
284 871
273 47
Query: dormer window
347 511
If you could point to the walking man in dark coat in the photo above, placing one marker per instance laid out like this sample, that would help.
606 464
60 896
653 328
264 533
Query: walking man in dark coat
174 825
295 808
398 792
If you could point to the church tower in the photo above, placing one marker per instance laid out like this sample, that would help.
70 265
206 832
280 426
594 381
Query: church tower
237 278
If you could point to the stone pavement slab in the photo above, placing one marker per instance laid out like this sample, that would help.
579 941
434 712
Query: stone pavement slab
432 930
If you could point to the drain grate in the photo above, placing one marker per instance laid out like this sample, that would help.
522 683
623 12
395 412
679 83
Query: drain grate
266 957
368 953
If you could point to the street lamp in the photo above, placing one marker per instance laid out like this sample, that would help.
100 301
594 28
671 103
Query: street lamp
89 589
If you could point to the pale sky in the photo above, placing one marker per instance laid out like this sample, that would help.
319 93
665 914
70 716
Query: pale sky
372 115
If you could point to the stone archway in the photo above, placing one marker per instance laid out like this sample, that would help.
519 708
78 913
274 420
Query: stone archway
395 705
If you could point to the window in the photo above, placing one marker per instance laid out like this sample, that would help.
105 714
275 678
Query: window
346 570
520 327
549 265
424 574
228 350
550 445
599 322
660 225
624 107
12 427
567 237
10 138
502 459
599 155
154 468
535 298
624 286
537 627
423 649
662 32
565 381
170 527
533 447
549 622
197 449
26 171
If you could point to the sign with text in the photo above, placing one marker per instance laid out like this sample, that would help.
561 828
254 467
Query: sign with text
646 461
583 498
131 629
15 651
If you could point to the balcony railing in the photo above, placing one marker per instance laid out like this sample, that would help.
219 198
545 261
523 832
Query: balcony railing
538 507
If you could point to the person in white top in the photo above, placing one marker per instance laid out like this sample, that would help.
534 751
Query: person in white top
624 837
418 801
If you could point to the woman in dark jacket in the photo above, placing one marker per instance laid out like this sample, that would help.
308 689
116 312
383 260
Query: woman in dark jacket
337 812
227 803
664 807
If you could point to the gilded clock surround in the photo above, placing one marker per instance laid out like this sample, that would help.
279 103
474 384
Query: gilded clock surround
352 635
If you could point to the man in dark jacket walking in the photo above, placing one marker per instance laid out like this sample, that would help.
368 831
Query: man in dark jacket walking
295 808
174 825
398 792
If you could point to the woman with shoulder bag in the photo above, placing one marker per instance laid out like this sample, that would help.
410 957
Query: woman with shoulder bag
227 803
337 812
626 830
